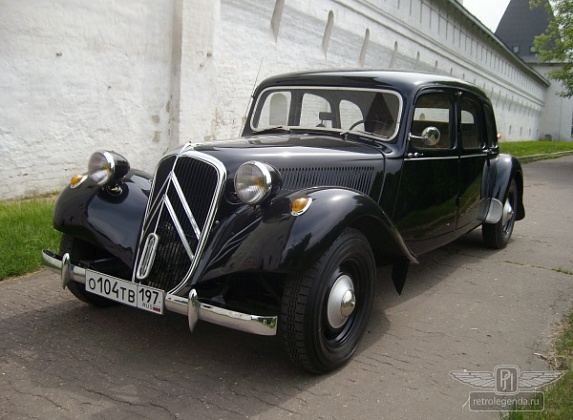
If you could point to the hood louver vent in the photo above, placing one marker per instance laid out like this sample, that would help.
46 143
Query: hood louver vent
356 178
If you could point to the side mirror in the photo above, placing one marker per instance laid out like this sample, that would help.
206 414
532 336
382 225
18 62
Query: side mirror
430 136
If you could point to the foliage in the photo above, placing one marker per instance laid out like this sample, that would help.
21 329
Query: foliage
26 227
528 148
555 45
559 398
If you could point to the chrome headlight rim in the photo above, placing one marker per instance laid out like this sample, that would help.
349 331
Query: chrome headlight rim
105 167
255 181
101 166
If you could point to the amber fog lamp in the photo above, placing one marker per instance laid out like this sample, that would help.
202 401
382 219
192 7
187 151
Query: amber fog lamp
255 181
107 167
77 180
300 205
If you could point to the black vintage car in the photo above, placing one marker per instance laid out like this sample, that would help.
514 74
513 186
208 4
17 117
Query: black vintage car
282 230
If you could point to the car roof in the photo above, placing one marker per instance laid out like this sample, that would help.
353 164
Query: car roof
406 82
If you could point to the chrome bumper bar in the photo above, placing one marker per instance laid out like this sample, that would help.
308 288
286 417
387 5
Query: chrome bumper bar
191 306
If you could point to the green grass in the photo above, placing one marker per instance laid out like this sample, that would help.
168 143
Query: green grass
26 227
558 398
528 148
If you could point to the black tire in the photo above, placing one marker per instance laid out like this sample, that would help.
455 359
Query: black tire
497 235
315 340
78 251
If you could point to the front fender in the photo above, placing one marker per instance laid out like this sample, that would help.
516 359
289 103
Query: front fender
332 211
273 240
108 218
503 169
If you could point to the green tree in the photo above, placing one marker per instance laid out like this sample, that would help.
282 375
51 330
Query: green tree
555 45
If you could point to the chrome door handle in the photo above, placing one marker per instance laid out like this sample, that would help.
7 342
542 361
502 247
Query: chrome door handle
415 155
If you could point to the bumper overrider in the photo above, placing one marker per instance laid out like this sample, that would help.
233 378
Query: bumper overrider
190 306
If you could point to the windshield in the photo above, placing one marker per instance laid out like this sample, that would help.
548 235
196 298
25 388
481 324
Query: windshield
375 113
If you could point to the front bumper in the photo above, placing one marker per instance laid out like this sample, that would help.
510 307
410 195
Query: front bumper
190 306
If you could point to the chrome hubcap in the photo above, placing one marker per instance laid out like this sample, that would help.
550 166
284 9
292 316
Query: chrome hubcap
341 301
507 216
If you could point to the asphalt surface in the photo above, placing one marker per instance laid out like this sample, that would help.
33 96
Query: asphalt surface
464 307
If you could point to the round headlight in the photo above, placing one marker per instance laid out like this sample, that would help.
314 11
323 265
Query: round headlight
100 167
106 166
253 182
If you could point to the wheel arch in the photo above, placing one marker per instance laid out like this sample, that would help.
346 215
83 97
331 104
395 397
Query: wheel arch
384 244
505 168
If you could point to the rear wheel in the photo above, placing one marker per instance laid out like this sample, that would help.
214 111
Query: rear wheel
325 309
78 251
498 235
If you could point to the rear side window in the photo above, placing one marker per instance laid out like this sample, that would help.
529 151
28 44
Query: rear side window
472 124
491 129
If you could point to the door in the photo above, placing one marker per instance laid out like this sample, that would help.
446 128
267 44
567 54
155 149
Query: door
473 135
426 205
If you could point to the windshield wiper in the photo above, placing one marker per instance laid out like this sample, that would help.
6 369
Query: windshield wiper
362 135
273 129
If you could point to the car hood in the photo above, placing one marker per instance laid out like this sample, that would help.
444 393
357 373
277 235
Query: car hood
303 160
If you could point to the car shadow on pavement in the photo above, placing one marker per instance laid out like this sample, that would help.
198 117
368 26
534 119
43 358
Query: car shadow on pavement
117 362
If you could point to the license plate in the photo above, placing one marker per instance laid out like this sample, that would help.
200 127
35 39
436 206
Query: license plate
126 292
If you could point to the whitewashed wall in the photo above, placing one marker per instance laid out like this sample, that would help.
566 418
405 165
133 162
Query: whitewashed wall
556 119
141 76
424 35
78 76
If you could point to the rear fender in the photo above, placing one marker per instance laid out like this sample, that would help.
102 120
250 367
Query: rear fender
107 218
503 169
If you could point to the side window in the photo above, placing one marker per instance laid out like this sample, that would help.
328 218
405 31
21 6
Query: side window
433 110
315 112
490 126
472 124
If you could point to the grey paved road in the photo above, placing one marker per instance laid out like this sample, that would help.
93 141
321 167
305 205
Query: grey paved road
464 307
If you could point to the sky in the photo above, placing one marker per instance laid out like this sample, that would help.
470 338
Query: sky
489 12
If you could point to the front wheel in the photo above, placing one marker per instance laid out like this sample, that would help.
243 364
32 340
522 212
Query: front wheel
325 309
497 235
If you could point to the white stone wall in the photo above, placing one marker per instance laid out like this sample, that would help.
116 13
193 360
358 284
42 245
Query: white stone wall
421 35
556 119
77 76
141 76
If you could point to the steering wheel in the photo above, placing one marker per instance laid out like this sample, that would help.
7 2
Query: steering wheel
355 124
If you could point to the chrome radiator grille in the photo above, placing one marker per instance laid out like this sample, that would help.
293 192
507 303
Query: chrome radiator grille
178 220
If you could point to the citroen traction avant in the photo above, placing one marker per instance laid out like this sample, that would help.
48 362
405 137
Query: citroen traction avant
281 231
